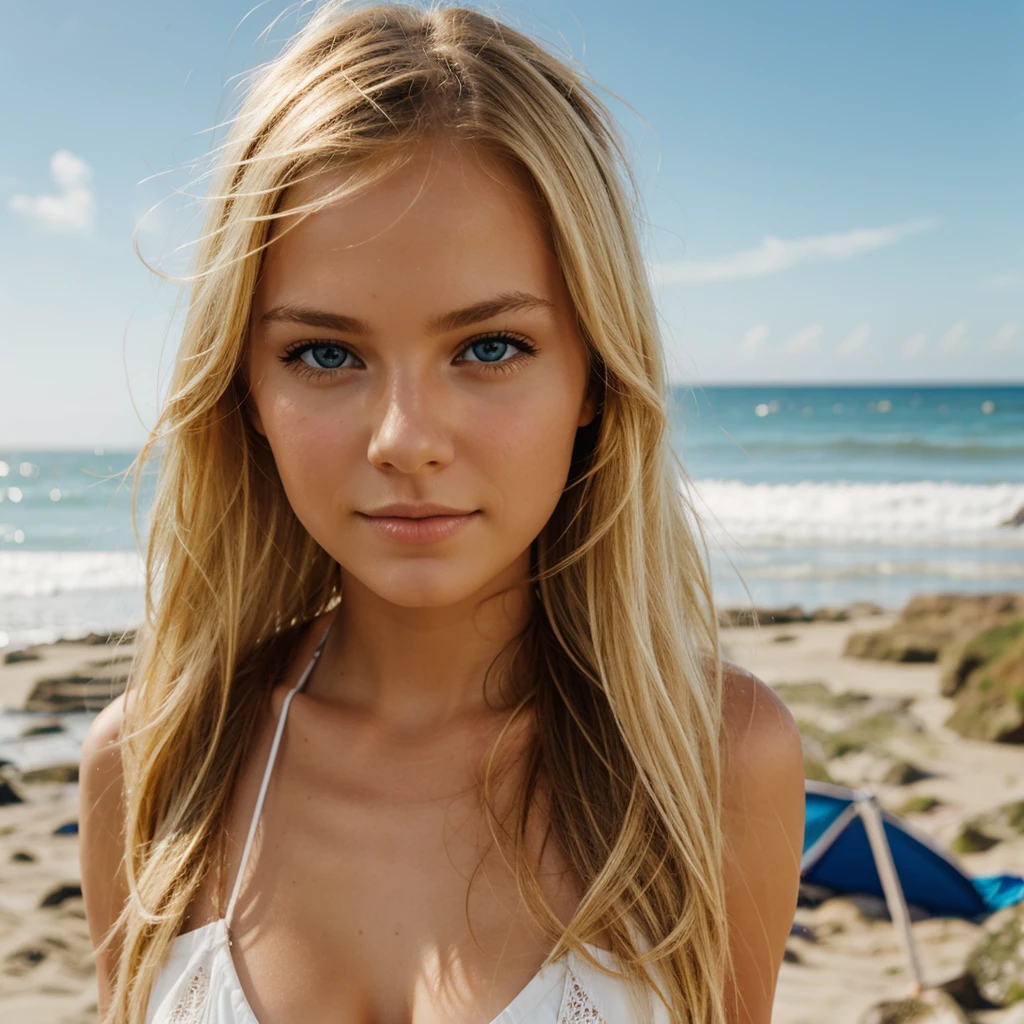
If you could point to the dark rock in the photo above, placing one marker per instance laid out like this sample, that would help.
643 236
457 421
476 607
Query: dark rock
964 990
990 703
64 773
76 692
931 622
55 897
791 956
997 961
102 639
47 729
23 857
903 773
1004 823
1017 519
16 657
918 805
931 1007
8 795
762 616
971 839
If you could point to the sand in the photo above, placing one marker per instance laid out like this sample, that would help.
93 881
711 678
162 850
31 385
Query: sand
46 970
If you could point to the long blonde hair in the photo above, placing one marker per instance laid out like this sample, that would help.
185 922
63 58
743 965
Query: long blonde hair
624 644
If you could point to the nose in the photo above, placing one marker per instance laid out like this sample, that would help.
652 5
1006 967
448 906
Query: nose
411 432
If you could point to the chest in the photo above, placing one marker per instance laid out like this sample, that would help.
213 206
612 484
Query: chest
376 890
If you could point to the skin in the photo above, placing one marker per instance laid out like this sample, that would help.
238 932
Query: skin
356 898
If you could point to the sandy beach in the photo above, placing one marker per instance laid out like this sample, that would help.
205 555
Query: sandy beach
849 961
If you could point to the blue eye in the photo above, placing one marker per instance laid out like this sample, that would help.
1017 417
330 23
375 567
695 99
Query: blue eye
324 357
489 350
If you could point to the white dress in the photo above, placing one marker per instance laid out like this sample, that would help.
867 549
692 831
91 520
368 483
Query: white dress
198 983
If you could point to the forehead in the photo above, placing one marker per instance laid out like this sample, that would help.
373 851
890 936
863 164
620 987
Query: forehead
451 222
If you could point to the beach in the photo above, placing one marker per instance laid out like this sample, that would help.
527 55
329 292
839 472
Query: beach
848 961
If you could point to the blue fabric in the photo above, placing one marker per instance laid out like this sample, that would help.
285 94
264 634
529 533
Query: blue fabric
1000 891
930 879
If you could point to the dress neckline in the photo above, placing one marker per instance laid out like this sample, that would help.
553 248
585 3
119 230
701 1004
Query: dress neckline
216 936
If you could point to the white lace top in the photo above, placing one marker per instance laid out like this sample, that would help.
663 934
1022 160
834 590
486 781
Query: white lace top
198 983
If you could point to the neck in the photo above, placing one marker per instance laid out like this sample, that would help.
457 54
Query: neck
413 671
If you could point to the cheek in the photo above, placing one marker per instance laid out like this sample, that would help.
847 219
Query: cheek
312 449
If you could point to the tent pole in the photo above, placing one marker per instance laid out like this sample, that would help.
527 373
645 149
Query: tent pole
867 806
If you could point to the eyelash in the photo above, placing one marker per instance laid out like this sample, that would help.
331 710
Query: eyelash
294 352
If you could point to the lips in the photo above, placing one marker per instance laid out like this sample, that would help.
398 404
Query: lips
417 523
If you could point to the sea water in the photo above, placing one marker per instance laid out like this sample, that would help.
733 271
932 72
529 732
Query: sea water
809 495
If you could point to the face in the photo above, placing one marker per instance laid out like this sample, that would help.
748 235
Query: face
415 364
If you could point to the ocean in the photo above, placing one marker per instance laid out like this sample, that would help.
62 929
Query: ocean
809 495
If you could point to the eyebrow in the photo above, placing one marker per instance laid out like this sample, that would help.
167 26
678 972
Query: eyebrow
507 302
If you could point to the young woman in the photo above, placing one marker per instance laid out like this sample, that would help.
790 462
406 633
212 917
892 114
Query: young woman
429 721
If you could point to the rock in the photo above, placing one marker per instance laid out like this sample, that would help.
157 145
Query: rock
51 773
23 857
8 795
762 616
101 639
997 961
820 694
76 692
856 610
964 990
16 657
1017 519
918 805
931 1007
1004 823
972 839
961 659
930 622
903 773
55 897
990 703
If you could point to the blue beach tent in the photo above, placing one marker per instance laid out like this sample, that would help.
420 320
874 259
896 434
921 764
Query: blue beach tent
853 847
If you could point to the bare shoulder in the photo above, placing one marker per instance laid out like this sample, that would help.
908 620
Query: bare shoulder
101 840
760 737
762 821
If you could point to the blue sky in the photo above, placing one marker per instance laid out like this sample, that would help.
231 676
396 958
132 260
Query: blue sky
835 191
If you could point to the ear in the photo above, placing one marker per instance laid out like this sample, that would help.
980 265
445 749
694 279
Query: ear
589 409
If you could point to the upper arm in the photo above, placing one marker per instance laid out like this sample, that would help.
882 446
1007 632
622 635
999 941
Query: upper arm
101 849
763 822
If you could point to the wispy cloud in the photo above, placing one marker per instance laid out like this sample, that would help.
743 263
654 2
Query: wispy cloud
73 208
775 254
1003 338
955 339
854 341
915 344
805 340
1006 282
754 339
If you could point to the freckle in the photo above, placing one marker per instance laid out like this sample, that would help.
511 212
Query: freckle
360 931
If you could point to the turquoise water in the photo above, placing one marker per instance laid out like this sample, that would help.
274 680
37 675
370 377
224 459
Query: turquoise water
815 495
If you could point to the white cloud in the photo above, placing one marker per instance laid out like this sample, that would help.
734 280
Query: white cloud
1003 338
805 340
915 344
854 341
1003 282
73 208
777 254
754 339
955 338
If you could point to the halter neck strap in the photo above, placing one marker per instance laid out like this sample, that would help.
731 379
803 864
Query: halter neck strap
237 888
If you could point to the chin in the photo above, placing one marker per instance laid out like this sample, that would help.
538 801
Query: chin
437 585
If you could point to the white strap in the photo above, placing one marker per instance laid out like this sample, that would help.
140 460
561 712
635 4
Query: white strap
237 888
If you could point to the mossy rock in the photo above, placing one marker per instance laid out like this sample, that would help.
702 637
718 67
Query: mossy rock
819 694
997 961
972 839
816 770
1001 823
961 659
990 703
918 804
903 773
931 1007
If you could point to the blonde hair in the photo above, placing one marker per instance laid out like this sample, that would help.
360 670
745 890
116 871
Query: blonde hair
624 644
